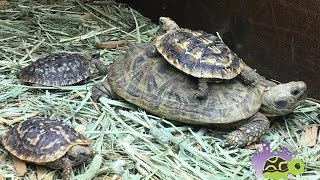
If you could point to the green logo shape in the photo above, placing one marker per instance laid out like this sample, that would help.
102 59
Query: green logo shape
278 168
276 165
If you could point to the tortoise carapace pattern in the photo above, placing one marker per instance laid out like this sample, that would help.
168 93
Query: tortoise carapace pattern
199 54
57 70
48 142
151 83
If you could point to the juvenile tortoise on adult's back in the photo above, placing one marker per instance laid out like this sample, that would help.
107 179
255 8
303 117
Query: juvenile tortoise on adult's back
60 69
48 142
201 55
153 84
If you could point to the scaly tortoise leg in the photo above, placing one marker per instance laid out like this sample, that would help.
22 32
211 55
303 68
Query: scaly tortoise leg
250 132
248 76
168 24
67 169
102 89
202 92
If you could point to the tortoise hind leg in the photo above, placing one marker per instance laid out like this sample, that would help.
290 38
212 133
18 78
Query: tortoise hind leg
202 92
248 76
250 132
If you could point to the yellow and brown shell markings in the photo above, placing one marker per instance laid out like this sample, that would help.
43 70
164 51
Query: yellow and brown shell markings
199 54
275 164
41 140
57 70
48 142
151 83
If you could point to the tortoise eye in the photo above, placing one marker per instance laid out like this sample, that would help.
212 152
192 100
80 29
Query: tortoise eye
95 56
295 92
297 166
72 158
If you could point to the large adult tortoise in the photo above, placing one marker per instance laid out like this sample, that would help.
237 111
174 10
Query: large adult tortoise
201 55
48 142
59 69
153 84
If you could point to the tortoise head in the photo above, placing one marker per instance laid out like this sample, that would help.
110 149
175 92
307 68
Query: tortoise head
168 24
295 166
95 59
80 153
282 99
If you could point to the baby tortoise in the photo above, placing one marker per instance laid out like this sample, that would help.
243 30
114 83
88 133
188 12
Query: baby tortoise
61 69
47 142
200 55
154 85
278 168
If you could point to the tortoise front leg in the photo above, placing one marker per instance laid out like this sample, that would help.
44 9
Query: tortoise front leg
202 92
250 132
248 76
67 169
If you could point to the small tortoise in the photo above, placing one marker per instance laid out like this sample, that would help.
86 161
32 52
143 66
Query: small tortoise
201 55
60 69
47 142
153 84
278 168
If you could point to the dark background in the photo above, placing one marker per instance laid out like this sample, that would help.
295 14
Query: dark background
279 38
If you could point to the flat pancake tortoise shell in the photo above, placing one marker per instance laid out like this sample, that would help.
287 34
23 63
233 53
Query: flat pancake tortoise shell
201 55
198 53
59 69
48 142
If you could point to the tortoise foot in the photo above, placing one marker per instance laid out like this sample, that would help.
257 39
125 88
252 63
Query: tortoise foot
248 133
249 76
200 95
202 92
236 139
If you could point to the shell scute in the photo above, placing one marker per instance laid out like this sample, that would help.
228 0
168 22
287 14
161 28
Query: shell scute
41 140
57 70
199 54
156 86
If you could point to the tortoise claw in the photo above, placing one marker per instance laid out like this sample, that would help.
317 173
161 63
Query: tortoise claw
200 95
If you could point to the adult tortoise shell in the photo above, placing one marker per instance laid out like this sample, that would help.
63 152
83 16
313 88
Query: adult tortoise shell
60 69
150 82
48 142
201 55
